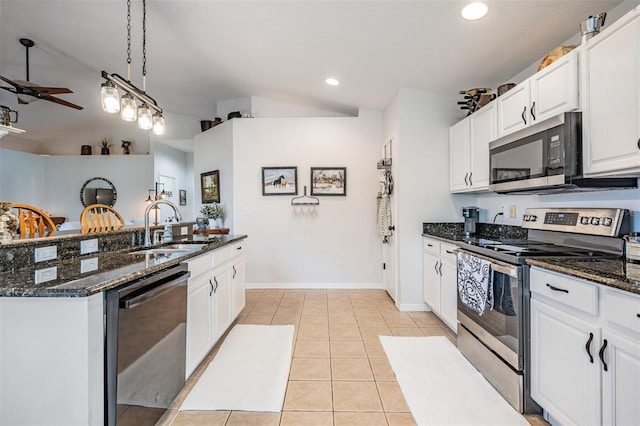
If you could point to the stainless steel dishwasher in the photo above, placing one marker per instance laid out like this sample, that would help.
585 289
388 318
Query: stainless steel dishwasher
145 347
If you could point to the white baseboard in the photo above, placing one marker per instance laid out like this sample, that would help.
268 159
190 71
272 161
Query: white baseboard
315 286
413 307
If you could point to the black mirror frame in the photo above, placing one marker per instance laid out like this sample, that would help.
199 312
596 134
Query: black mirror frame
115 192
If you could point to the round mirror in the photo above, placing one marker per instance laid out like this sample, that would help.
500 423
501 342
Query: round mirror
98 190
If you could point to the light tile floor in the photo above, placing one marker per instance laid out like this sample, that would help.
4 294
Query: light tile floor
339 374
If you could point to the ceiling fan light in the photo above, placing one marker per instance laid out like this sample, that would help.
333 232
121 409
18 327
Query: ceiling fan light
158 124
128 108
110 98
145 117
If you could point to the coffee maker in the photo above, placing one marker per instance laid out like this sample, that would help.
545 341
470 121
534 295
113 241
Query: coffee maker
471 216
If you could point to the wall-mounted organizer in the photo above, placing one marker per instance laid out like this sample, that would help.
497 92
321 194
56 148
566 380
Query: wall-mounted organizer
305 200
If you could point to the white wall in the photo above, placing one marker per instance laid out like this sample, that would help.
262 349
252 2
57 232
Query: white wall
172 163
22 177
334 245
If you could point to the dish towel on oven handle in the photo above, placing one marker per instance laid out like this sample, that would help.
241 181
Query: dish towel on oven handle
474 282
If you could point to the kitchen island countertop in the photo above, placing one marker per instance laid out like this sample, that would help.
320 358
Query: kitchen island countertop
114 268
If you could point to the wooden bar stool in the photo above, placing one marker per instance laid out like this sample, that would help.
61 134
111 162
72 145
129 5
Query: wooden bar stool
33 222
100 218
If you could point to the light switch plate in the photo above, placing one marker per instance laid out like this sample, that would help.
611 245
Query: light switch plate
46 253
46 274
88 265
184 230
89 246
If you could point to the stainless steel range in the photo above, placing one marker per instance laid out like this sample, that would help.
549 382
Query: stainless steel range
495 337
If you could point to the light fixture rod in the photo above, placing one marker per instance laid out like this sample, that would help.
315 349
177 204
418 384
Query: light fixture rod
125 85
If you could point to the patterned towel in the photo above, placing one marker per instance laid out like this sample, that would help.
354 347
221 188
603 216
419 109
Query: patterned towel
474 282
384 216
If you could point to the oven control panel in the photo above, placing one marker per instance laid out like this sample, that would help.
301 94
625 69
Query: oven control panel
592 221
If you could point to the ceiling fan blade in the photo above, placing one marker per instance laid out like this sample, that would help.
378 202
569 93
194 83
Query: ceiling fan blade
8 89
59 101
11 82
52 90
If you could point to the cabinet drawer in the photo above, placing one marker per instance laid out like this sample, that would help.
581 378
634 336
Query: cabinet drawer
237 249
573 292
221 255
199 265
447 254
622 309
430 245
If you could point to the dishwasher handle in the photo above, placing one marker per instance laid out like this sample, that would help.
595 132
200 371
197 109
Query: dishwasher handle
143 295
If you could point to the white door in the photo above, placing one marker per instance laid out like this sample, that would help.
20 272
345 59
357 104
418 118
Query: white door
431 276
199 321
459 156
554 90
237 278
483 129
565 371
389 266
222 297
513 109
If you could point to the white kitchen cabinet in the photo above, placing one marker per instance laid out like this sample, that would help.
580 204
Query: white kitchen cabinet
549 92
440 280
469 150
238 279
222 299
611 104
585 350
199 311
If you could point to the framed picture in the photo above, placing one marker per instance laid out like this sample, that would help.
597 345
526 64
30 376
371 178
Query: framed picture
210 184
183 197
280 180
329 181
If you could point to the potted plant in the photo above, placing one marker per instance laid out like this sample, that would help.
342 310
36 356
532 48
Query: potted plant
105 143
214 211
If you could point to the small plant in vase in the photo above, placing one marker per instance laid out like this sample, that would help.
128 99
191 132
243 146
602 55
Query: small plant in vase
216 212
105 144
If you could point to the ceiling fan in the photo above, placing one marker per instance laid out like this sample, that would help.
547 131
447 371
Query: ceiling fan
28 92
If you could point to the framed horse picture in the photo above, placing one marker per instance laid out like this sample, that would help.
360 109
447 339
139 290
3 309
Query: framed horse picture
280 180
210 186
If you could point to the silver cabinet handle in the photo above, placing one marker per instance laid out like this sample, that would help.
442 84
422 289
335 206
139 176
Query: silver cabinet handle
440 269
524 111
234 271
216 281
211 291
470 181
466 175
435 266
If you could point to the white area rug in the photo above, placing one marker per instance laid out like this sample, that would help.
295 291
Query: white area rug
443 388
249 372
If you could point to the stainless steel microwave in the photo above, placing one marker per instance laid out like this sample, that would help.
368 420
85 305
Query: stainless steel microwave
545 157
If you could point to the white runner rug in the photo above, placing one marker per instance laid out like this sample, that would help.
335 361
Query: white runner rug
441 387
249 372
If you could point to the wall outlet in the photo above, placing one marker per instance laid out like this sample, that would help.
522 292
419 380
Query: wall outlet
46 274
45 253
89 246
88 265
512 211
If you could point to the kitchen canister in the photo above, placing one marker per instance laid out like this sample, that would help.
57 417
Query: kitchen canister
632 247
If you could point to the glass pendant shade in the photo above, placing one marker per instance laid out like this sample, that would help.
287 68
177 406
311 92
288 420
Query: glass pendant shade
128 108
158 124
145 117
110 98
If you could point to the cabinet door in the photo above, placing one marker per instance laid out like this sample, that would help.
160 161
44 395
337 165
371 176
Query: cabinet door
554 90
222 300
431 277
459 156
564 379
513 109
449 289
199 320
483 129
612 128
237 280
621 381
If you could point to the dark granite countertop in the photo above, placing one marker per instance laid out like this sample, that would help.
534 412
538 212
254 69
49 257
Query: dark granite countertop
114 268
610 272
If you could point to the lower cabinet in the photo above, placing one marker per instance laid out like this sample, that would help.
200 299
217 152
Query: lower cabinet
585 350
215 298
440 280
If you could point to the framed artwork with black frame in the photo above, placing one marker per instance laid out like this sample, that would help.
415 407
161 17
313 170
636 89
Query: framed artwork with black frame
210 186
329 181
183 197
280 180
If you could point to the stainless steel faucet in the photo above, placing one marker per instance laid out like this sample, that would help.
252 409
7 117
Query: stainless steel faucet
147 238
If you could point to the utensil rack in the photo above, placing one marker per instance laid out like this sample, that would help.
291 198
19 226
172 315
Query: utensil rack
305 200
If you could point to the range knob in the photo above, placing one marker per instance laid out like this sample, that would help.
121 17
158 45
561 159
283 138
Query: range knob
607 221
533 218
595 221
584 220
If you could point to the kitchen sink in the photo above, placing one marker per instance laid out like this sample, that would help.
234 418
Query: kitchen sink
170 249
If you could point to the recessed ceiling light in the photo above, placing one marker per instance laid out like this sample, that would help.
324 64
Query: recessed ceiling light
332 81
474 11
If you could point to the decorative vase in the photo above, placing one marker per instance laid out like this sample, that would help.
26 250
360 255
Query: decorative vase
85 150
219 223
104 151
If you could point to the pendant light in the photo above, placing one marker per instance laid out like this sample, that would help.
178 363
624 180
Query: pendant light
148 114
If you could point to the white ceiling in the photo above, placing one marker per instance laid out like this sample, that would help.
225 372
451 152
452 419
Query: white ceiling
202 52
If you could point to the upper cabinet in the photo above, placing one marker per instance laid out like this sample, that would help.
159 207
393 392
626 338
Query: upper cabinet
611 101
547 93
469 150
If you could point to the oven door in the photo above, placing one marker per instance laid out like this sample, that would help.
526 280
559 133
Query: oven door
501 327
